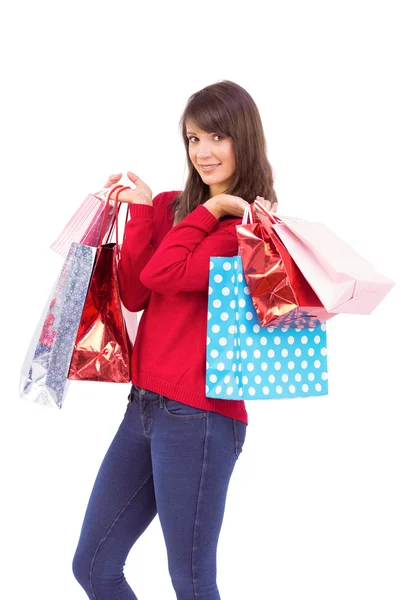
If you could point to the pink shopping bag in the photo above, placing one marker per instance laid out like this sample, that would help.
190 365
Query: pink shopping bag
85 225
344 281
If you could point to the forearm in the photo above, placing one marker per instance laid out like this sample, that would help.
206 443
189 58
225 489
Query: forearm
181 262
136 251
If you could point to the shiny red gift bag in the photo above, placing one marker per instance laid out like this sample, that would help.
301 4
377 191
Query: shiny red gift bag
102 348
281 295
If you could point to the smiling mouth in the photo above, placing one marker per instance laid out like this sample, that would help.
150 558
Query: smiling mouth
209 167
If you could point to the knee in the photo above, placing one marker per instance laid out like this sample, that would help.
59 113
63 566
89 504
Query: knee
97 579
187 586
81 569
183 587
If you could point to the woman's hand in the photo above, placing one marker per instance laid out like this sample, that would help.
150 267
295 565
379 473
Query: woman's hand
226 204
142 194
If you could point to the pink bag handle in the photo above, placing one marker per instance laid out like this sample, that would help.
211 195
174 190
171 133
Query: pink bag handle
274 219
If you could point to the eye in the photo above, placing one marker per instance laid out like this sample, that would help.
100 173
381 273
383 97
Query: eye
195 138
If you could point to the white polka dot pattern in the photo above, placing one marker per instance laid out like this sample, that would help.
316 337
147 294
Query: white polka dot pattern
249 362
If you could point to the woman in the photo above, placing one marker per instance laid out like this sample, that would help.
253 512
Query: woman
175 450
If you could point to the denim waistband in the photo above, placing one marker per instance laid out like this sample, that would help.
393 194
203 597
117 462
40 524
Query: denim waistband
145 396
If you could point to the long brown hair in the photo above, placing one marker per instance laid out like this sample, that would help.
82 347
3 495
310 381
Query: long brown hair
226 108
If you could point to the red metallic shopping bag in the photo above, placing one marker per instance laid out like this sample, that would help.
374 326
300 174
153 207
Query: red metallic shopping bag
281 295
102 348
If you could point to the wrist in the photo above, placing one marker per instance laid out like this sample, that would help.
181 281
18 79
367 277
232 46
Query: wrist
135 198
213 207
143 201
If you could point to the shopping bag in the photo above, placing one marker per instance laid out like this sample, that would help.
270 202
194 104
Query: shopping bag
85 225
45 369
102 347
248 362
344 281
280 293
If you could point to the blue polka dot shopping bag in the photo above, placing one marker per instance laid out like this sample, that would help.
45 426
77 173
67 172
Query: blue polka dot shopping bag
248 362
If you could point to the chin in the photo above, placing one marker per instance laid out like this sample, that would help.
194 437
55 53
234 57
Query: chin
212 178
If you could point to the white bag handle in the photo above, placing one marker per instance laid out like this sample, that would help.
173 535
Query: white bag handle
101 192
247 216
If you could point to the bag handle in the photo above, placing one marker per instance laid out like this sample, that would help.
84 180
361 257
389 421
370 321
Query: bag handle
106 210
117 212
101 192
272 217
248 215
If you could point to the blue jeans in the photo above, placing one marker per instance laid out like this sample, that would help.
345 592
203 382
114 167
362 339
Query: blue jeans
167 458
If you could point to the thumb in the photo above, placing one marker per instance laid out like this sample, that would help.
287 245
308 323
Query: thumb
134 178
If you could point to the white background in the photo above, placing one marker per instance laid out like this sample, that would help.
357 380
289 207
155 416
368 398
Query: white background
94 88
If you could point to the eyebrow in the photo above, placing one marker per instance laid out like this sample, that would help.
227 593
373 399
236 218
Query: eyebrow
194 133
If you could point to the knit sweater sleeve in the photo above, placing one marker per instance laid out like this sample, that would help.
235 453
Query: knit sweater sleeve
181 262
136 251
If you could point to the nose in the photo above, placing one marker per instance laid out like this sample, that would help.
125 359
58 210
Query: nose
204 150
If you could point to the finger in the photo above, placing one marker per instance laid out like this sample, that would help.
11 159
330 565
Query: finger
240 208
265 203
134 178
274 207
112 180
238 211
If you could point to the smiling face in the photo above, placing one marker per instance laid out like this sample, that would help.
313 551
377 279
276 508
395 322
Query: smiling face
212 156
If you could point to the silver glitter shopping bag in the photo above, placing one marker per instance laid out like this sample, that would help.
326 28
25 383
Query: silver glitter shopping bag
45 369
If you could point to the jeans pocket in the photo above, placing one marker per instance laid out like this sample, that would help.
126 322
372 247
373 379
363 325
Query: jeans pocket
179 410
239 435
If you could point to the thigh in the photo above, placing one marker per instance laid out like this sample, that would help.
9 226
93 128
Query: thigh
194 453
122 503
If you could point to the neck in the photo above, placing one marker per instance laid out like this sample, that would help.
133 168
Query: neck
214 190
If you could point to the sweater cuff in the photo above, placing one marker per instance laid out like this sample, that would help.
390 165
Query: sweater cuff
203 218
141 210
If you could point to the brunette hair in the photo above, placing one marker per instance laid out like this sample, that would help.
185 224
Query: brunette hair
226 108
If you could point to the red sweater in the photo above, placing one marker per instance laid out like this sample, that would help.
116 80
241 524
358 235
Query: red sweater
164 271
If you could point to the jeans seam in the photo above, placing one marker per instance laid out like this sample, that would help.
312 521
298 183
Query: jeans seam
196 527
109 530
235 436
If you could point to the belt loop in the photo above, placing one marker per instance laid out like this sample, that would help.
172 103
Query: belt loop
161 400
